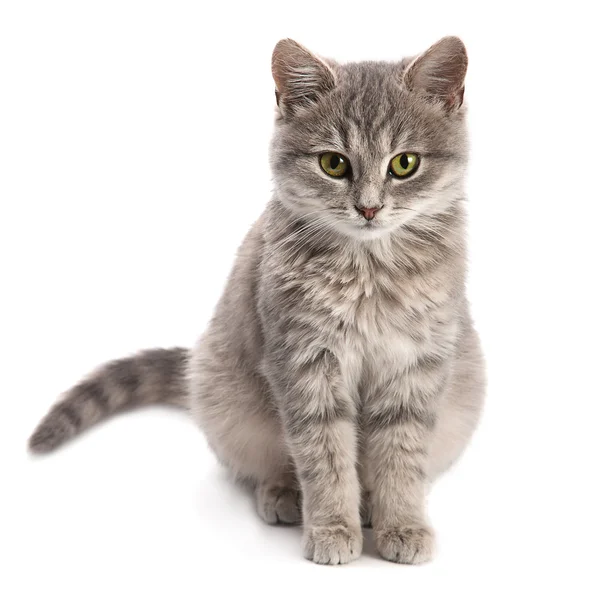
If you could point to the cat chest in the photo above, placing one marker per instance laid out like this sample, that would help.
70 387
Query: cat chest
382 333
390 333
372 323
376 318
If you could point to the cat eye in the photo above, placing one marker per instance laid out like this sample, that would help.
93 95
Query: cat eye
334 164
404 164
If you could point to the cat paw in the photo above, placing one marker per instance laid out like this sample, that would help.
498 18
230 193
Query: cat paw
333 544
277 504
410 545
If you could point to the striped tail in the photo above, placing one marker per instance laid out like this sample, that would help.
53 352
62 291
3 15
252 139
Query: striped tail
150 377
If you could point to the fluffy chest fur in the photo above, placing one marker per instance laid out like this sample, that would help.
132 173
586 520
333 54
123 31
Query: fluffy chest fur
377 307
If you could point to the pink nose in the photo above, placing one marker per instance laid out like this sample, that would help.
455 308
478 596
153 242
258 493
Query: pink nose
368 213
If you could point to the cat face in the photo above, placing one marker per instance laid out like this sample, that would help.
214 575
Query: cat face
365 148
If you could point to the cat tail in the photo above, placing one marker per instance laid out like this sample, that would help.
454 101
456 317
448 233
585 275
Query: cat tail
150 377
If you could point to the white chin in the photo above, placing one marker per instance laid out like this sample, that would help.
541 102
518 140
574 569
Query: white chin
364 233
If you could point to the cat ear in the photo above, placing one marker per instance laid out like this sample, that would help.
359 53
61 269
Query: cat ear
300 76
440 72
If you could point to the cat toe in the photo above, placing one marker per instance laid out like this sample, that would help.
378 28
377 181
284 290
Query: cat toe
276 504
332 545
409 545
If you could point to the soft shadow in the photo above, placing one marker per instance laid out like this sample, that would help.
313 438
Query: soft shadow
369 544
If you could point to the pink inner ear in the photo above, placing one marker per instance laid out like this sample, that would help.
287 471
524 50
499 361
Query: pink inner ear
299 75
440 72
456 100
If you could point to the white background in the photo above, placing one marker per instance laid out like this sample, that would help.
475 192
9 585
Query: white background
133 158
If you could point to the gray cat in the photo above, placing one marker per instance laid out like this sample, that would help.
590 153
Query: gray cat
341 372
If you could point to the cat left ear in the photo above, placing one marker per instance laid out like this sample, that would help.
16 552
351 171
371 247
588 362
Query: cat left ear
300 76
440 72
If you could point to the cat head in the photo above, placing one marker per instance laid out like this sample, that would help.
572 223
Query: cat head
368 147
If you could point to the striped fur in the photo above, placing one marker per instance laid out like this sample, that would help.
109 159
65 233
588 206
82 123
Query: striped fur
341 373
150 377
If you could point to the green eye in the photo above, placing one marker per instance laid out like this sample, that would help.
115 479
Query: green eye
404 164
334 164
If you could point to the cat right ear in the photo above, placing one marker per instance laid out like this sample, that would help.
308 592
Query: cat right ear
440 72
300 76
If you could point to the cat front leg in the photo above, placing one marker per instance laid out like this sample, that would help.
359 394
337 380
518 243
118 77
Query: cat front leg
319 422
400 415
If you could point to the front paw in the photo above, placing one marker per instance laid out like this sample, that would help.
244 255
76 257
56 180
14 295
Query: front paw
409 544
332 544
